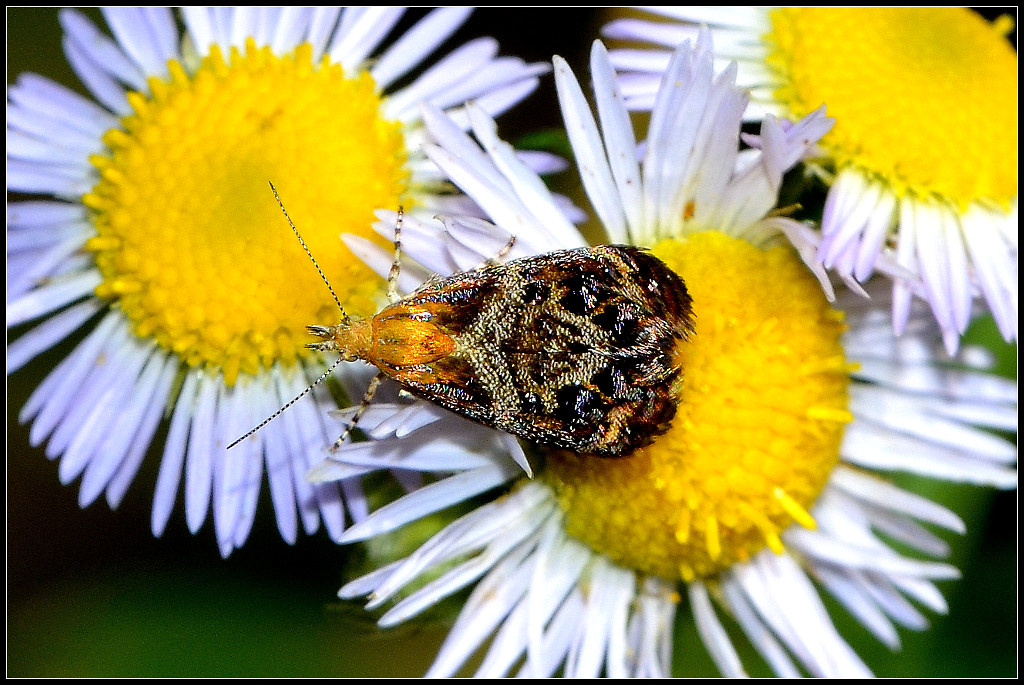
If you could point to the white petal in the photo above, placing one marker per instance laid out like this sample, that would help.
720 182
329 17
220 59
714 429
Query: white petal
140 443
995 265
825 548
660 33
81 121
355 40
147 35
852 595
415 44
48 333
44 265
446 73
104 56
759 635
86 426
87 380
675 124
428 500
199 457
588 148
712 633
526 185
559 565
291 28
806 626
562 631
169 477
619 140
279 456
124 428
491 600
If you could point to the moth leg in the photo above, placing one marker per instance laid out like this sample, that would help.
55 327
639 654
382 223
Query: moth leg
367 398
496 259
503 251
396 266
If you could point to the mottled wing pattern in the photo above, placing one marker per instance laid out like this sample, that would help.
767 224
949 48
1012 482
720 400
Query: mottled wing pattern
571 349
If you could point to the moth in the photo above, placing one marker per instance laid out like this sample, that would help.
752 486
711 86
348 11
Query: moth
573 349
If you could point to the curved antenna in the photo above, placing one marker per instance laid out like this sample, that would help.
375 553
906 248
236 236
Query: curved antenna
295 399
344 315
344 318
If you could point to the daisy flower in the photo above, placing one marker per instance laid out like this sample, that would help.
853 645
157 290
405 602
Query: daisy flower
922 161
768 487
144 218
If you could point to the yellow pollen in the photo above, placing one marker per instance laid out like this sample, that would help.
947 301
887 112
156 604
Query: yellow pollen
762 409
924 98
192 245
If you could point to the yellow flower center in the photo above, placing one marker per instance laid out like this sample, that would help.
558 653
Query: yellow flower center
762 408
190 240
924 98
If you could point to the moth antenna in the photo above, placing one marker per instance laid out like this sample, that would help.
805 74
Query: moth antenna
367 397
295 399
344 315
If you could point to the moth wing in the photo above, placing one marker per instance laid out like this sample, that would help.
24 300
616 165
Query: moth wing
572 349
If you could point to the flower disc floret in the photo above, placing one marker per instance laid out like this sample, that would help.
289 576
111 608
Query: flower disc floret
762 409
925 99
190 241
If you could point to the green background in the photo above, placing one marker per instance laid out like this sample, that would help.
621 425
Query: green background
92 593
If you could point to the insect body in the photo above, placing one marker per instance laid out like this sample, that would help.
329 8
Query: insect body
571 349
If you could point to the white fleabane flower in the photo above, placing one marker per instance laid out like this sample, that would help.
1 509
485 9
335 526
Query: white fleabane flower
767 487
143 214
922 161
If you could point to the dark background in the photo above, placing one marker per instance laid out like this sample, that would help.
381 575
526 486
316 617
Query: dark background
92 593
